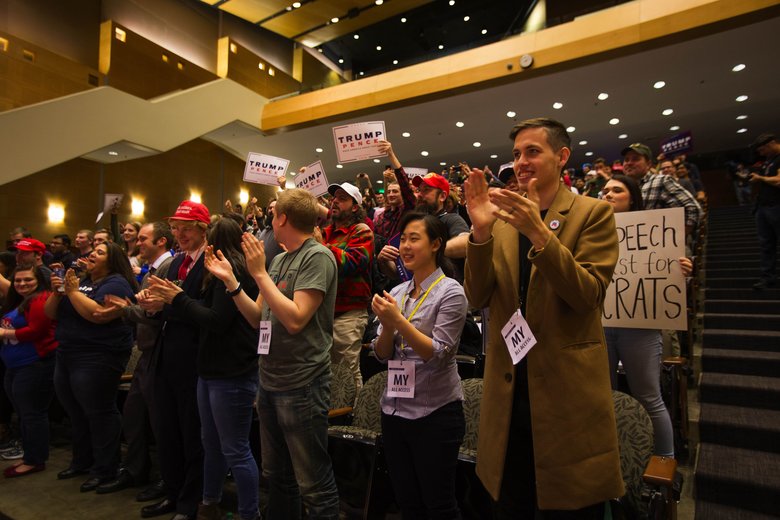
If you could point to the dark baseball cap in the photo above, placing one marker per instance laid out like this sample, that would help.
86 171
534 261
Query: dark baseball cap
761 140
639 148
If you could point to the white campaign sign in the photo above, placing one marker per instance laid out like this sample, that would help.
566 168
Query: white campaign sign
111 201
648 287
518 336
415 172
264 339
400 379
358 141
264 169
313 179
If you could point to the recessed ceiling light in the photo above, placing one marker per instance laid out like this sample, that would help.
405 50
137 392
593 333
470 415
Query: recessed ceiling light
339 166
741 98
466 18
361 73
319 49
442 163
452 2
674 128
583 143
659 84
341 60
667 111
318 150
296 5
441 47
603 96
403 20
557 105
395 62
742 130
380 182
459 124
113 153
376 161
424 153
743 116
484 31
477 144
570 129
335 19
379 47
623 136
406 134
494 156
739 67
510 114
357 36
588 154
288 8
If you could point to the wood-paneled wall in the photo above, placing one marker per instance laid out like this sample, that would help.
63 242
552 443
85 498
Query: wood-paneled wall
143 68
247 68
162 181
31 74
312 73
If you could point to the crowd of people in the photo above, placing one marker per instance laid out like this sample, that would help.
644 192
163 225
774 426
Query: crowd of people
248 310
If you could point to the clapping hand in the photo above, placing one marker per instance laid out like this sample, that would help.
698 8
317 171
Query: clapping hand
386 309
254 250
165 290
218 265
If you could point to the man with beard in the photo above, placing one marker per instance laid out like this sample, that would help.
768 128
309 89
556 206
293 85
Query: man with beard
433 190
352 243
266 234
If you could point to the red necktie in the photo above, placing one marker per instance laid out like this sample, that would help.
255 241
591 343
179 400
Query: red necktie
184 267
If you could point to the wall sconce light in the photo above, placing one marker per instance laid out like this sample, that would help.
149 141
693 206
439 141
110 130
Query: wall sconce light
56 213
271 71
165 58
234 48
3 44
137 207
180 66
261 66
120 34
195 197
243 196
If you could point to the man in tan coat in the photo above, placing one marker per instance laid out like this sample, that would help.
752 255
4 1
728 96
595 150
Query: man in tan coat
547 437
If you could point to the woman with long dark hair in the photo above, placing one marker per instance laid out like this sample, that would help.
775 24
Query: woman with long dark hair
27 336
227 370
640 350
421 321
91 359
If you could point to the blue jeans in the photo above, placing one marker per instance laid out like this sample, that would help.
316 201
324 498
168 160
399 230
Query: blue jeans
294 445
225 407
640 351
768 228
30 389
87 385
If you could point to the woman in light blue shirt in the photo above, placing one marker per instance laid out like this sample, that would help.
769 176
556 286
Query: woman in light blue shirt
421 321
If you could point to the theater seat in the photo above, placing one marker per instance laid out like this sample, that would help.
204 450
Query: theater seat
651 490
343 391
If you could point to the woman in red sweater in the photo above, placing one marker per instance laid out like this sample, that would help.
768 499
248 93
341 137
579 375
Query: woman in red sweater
28 352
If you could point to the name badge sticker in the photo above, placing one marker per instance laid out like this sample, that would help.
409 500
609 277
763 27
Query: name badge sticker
518 337
400 379
264 340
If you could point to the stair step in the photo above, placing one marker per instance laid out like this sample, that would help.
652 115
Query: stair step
711 511
739 477
741 293
746 362
740 390
737 306
742 339
735 282
749 428
748 322
732 272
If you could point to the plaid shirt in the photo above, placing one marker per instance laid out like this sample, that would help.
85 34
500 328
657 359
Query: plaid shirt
662 191
387 223
353 248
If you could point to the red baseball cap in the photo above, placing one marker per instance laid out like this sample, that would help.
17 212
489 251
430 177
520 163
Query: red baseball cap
30 244
434 180
189 210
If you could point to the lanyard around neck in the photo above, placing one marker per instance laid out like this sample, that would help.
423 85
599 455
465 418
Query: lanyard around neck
419 303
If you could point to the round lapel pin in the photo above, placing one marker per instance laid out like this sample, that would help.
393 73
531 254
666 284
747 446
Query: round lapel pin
555 224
